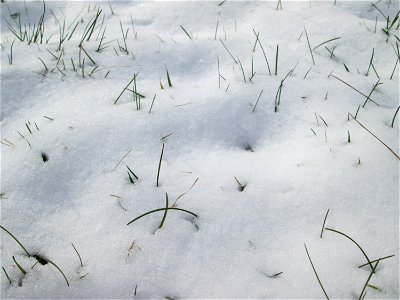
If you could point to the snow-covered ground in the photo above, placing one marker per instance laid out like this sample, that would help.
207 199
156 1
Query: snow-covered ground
261 178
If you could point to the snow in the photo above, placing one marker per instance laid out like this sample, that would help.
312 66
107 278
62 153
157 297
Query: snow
291 176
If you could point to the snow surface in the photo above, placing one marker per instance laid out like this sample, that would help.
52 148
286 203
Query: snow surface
291 176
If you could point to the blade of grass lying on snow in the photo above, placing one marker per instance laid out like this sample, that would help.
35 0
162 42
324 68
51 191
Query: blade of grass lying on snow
394 153
381 258
328 41
315 272
19 243
162 209
361 93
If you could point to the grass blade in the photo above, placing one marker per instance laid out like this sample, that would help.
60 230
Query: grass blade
80 259
165 211
159 164
19 243
161 209
315 272
326 216
345 235
19 266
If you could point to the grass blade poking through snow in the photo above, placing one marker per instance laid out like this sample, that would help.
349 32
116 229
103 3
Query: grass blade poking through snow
315 272
345 235
369 277
326 216
152 102
258 99
5 272
19 266
168 78
165 212
190 37
328 41
309 46
276 59
262 49
159 164
62 273
80 259
19 243
394 117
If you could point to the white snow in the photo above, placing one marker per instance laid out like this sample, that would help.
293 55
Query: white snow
291 176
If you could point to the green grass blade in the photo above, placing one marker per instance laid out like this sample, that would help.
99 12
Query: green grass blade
19 266
345 235
19 243
161 209
315 272
165 211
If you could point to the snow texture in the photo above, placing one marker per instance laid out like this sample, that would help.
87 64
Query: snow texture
292 162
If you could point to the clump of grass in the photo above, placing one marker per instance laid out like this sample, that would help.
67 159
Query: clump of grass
90 27
165 212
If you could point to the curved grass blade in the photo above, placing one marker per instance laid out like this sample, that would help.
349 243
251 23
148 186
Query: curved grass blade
19 243
315 272
345 235
80 259
165 211
62 273
161 209
19 266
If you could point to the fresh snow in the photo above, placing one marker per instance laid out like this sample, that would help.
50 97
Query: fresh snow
291 177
